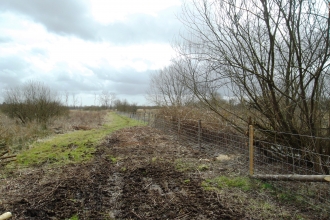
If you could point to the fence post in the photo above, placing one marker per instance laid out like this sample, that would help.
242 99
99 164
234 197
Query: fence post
179 124
164 124
251 150
199 133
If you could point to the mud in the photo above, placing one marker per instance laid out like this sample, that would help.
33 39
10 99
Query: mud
134 175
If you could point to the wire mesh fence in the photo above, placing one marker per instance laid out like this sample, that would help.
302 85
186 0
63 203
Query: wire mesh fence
281 164
269 157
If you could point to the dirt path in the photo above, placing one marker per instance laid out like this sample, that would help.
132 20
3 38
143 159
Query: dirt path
137 173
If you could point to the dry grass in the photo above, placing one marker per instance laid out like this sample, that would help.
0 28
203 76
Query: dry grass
16 136
79 120
189 117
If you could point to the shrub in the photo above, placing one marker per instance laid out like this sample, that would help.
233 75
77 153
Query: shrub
32 102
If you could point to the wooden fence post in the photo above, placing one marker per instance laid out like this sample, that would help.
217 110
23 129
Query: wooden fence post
251 153
163 123
179 124
199 133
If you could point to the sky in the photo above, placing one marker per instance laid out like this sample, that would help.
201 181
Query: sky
83 47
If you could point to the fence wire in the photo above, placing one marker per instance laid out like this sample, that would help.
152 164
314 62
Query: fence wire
269 158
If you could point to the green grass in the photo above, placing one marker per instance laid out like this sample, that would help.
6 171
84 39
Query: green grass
73 147
186 181
75 217
185 165
112 158
222 182
203 167
247 185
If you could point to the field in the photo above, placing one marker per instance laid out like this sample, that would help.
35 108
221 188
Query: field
120 169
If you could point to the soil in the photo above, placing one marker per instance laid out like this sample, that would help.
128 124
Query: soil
137 173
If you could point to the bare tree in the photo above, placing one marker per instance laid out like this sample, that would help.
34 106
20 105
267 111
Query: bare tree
74 100
273 55
95 98
112 99
66 98
106 99
167 88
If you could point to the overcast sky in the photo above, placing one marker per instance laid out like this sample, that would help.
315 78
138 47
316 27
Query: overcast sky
86 46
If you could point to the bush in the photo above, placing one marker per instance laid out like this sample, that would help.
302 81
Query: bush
32 102
125 106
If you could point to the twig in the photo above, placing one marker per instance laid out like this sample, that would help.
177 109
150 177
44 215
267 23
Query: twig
183 215
147 186
7 161
51 192
218 198
6 157
3 153
136 214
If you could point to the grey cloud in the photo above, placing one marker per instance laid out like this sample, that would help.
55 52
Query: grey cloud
62 17
129 89
73 17
9 78
12 63
127 75
75 85
70 84
13 71
141 28
63 80
39 52
126 81
5 39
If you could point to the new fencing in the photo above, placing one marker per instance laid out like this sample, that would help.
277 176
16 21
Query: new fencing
301 173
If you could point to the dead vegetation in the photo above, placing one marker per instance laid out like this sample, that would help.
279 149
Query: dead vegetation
139 173
17 136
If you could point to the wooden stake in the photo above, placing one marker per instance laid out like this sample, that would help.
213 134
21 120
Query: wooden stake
179 124
199 133
251 149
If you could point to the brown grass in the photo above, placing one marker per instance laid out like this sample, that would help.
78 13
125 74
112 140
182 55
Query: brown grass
189 117
16 136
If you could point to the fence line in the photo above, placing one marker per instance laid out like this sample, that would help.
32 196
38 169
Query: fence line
257 157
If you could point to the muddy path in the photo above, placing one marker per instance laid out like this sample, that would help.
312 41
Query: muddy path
137 173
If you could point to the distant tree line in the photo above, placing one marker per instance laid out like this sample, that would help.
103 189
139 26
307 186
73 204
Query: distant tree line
118 105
